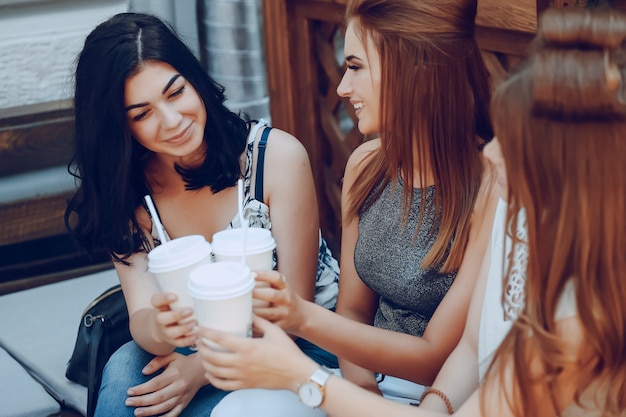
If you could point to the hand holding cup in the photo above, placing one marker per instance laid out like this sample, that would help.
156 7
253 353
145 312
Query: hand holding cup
171 263
252 362
176 326
228 245
222 297
285 307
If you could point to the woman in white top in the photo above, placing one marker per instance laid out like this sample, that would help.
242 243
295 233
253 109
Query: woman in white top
150 120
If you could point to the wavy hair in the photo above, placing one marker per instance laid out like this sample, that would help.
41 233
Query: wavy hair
108 162
434 104
561 123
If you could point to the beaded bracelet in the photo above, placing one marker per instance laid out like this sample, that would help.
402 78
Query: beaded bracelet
441 395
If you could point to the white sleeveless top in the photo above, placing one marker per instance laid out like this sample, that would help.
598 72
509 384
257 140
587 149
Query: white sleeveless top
258 215
496 319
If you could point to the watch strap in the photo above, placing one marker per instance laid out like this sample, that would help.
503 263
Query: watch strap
321 376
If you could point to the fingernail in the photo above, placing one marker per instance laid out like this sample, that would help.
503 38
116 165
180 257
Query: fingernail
129 392
129 402
147 368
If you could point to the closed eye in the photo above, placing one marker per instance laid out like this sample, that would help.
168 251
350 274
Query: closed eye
177 92
141 116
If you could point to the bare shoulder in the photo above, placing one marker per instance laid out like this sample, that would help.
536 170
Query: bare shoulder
287 167
492 188
484 210
360 153
285 148
145 222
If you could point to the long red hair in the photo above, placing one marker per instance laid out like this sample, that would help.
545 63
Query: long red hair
561 123
434 105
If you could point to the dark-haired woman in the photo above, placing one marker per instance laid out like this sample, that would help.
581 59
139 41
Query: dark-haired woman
149 120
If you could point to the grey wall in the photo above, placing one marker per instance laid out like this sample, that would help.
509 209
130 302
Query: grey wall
181 14
39 41
232 48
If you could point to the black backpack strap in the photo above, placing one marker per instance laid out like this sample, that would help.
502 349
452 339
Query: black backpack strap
92 366
258 181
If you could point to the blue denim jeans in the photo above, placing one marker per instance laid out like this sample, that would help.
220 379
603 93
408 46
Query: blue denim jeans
123 370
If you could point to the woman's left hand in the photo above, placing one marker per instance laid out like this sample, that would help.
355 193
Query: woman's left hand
174 325
271 361
169 392
285 306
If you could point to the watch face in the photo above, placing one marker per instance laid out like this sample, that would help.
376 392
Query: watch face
310 394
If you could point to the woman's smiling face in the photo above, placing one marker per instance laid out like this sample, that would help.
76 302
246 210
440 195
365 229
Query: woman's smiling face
361 81
164 112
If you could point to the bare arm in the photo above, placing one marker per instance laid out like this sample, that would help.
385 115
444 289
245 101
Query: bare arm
414 358
139 285
153 328
290 193
250 364
356 301
458 378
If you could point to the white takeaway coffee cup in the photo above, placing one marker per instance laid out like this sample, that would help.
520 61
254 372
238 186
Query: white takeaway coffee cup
222 297
228 246
172 261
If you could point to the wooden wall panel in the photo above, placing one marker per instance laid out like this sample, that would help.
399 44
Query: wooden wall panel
517 16
36 137
303 73
32 219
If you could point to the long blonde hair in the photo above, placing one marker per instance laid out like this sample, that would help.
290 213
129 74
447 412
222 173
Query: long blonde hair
561 122
434 98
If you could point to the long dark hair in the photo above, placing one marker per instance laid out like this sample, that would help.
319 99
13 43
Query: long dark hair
108 162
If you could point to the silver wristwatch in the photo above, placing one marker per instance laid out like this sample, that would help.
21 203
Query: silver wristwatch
311 393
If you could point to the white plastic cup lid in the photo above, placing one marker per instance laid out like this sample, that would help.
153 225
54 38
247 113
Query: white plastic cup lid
178 253
229 242
220 280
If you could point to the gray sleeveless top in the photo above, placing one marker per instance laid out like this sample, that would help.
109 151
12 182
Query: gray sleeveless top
388 258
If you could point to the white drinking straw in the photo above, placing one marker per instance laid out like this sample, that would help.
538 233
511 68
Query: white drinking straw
242 219
155 219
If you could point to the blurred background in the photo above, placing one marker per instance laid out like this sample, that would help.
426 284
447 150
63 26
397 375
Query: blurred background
39 42
278 59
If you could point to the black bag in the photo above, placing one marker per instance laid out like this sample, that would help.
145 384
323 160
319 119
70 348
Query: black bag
102 330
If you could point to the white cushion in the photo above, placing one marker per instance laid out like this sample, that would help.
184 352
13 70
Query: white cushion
39 329
20 394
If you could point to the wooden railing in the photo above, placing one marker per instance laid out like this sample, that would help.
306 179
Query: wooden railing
302 38
36 144
34 138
